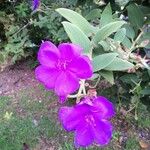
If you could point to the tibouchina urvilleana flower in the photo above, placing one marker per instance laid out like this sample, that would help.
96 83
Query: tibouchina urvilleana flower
35 4
89 121
61 68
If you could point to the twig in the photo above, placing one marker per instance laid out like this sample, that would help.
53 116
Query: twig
22 28
81 92
135 42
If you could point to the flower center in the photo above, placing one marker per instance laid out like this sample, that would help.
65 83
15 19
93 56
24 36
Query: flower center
62 64
90 120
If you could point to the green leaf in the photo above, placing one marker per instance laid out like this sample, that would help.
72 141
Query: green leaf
107 30
95 13
146 91
77 20
130 33
126 42
145 36
120 35
121 2
145 10
119 64
144 41
106 16
102 61
135 15
129 78
105 45
108 75
77 36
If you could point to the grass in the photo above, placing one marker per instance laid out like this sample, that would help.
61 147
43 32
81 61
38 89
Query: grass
132 144
35 120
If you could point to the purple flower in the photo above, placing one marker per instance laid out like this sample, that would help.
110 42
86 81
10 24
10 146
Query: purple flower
35 4
61 68
89 121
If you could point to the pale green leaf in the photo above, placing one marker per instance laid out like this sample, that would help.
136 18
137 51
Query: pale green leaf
130 33
146 91
107 30
77 20
108 75
135 15
106 16
119 64
121 2
145 10
126 42
105 45
120 35
95 13
77 36
102 61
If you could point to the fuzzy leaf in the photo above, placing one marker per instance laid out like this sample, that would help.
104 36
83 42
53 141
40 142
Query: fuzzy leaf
106 16
126 42
120 35
119 64
135 15
76 19
95 13
107 30
102 61
130 33
77 36
108 75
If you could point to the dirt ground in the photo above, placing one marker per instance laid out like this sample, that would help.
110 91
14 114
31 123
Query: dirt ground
16 78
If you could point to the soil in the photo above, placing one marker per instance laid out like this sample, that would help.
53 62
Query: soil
17 78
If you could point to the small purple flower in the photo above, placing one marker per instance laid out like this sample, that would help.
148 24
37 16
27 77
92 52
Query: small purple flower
61 68
35 4
89 121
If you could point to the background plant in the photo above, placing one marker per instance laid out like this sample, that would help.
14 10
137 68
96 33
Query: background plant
113 44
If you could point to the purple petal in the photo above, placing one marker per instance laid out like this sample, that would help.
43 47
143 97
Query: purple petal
72 116
102 132
69 51
103 107
81 67
66 83
35 4
69 118
48 54
83 135
47 76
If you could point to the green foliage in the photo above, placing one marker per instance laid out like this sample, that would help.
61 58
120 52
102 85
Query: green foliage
106 16
102 61
93 14
120 35
119 64
77 20
135 15
107 30
20 26
108 34
108 75
77 36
